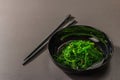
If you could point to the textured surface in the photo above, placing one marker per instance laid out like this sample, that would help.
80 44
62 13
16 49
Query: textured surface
24 23
79 54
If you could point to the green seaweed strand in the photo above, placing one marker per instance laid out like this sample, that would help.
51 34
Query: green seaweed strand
79 54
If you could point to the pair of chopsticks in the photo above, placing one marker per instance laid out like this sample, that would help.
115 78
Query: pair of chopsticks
68 21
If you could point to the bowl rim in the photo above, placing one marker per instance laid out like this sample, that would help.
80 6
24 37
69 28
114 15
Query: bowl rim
80 70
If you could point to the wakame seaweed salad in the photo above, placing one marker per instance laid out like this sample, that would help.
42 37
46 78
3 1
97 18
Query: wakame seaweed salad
80 48
79 54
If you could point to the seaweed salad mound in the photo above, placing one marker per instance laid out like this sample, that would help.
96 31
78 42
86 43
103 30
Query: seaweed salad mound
79 54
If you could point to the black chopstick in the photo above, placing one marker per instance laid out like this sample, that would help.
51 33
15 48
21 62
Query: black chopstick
68 18
42 48
39 50
44 43
73 23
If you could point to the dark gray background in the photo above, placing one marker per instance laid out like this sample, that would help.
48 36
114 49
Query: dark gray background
25 23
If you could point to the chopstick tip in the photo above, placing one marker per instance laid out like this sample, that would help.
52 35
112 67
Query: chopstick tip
25 62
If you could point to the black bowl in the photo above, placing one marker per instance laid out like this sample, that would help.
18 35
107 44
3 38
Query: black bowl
81 32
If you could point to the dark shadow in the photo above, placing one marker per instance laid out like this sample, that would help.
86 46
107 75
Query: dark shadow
103 73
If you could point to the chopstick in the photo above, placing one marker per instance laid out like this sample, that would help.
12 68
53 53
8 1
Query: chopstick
68 18
72 23
42 46
62 24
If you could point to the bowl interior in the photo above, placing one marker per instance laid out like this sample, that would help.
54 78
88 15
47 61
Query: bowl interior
84 33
